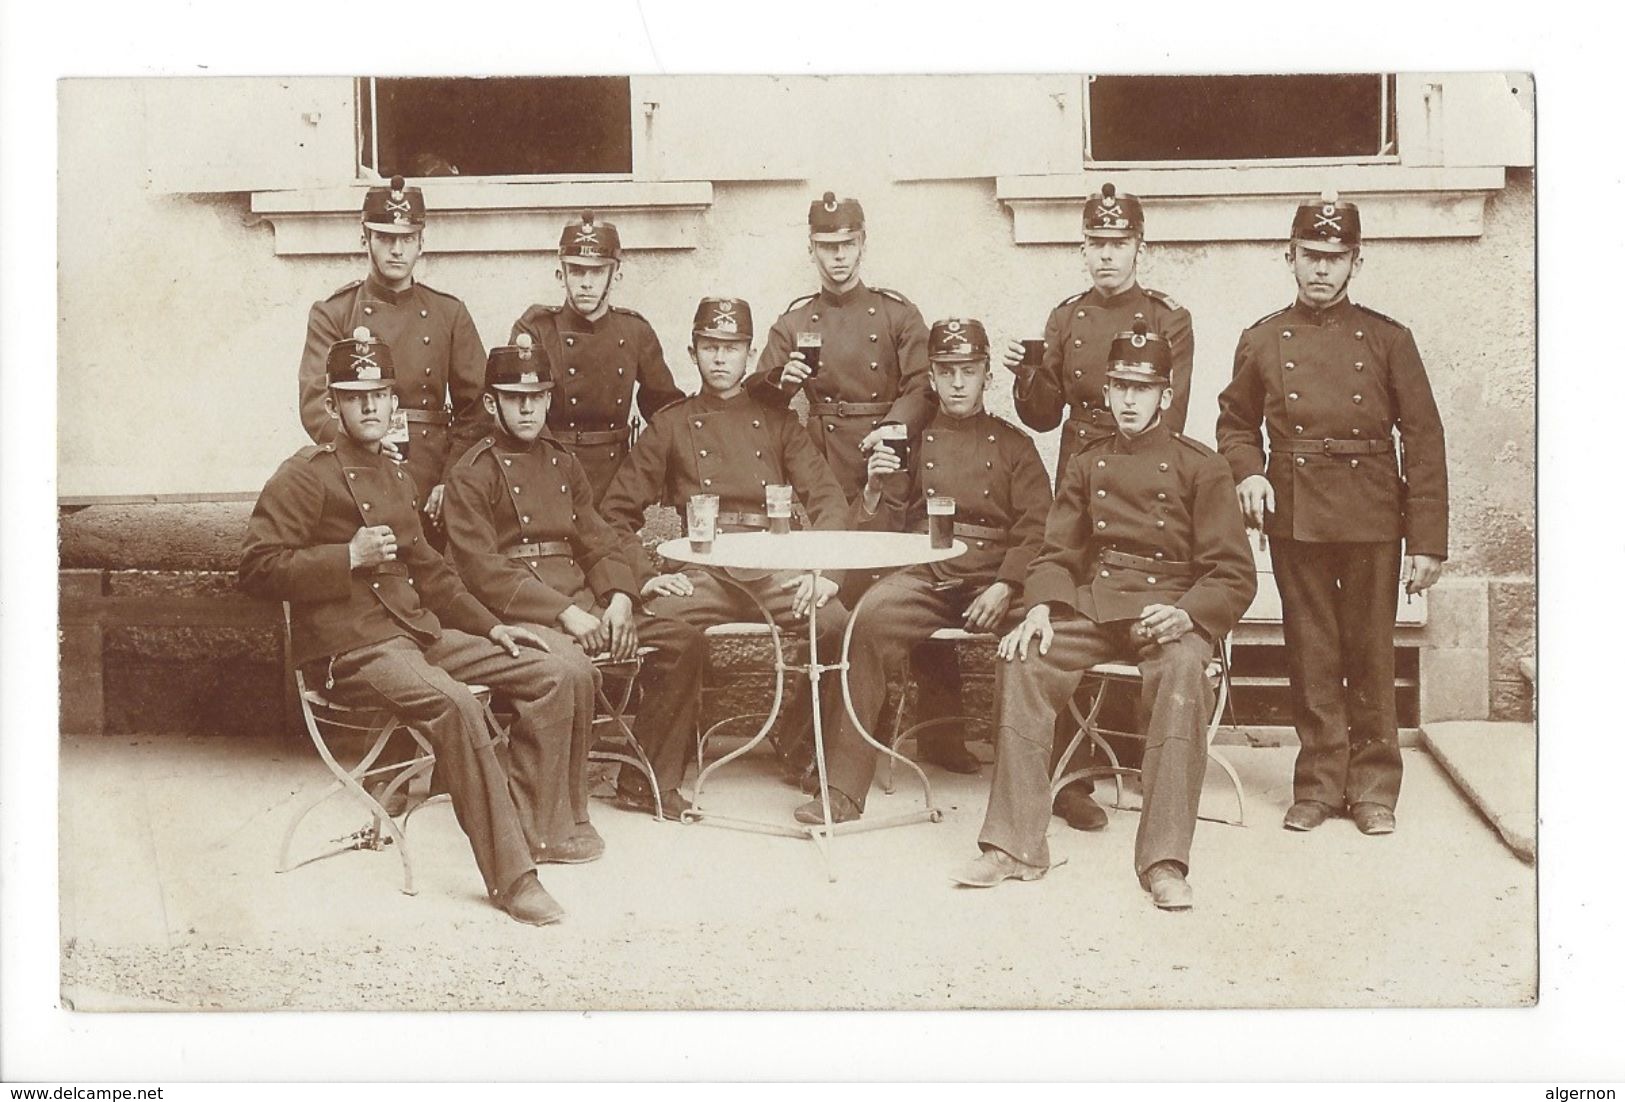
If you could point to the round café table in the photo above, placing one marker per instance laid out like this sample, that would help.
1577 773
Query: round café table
815 553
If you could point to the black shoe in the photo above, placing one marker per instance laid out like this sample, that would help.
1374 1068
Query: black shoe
1373 818
1079 809
842 809
672 803
1306 815
527 901
950 754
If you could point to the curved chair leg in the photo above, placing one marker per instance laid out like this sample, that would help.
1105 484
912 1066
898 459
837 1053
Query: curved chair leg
1086 728
332 789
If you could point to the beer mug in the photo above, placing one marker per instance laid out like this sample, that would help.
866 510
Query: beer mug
939 515
702 521
778 509
811 346
895 436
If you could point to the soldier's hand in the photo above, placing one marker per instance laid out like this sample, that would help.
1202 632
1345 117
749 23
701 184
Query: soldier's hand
1257 497
391 451
1163 623
510 636
1036 624
585 628
1420 572
668 585
795 372
431 507
810 589
882 462
372 546
622 628
989 609
1013 355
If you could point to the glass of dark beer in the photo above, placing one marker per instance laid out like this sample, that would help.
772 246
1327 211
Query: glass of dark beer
811 346
778 509
895 436
702 521
939 515
1032 352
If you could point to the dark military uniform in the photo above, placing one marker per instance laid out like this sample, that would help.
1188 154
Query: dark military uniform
1138 521
1332 387
439 360
1077 337
406 636
528 542
992 471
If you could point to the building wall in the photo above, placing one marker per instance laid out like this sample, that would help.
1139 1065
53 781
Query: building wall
180 331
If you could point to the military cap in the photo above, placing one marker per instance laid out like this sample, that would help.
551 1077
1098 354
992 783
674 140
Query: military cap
518 368
361 363
1108 214
1330 225
589 241
394 209
723 319
958 339
1140 356
832 219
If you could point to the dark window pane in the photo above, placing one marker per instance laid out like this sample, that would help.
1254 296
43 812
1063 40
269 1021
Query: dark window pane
1235 118
502 126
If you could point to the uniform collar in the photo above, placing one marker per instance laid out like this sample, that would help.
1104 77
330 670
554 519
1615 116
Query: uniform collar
1304 314
504 442
575 321
711 403
1152 437
1131 293
839 298
377 290
946 422
351 454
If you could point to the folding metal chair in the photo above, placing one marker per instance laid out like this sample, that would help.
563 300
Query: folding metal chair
619 744
1107 674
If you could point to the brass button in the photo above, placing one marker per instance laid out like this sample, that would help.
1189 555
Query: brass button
1358 399
374 584
1297 429
516 489
1359 334
987 493
564 489
699 424
1293 397
1100 493
1162 497
989 464
874 337
1076 343
930 466
758 455
815 317
755 424
873 366
705 482
570 371
1354 463
704 453
1162 524
571 341
351 474
423 313
1162 466
1100 462
1286 333
622 342
1150 580
1356 432
1299 461
1100 524
1289 365
1076 373
366 505
1105 573
367 310
871 310
507 462
524 520
930 439
425 340
1358 366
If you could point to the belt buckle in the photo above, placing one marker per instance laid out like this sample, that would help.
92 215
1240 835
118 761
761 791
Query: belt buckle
840 408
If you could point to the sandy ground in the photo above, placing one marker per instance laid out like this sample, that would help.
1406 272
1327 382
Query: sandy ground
170 901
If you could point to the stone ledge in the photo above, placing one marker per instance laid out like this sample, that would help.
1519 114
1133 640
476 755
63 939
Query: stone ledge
1494 766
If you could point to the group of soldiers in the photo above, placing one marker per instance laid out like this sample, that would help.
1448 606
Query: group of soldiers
470 518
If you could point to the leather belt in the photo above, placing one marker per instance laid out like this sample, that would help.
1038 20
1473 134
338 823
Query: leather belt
427 416
596 436
396 568
1305 446
824 407
976 532
759 520
1181 570
547 549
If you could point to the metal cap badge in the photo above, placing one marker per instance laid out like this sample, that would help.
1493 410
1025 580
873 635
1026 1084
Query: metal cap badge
589 241
1140 356
832 219
394 209
1108 214
362 362
958 339
723 319
518 368
1328 224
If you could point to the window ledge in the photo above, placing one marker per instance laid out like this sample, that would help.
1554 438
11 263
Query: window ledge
484 216
1256 203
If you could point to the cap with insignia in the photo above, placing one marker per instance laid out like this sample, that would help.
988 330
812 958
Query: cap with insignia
518 368
957 339
832 219
394 209
1108 214
1328 224
1140 356
723 319
361 363
589 241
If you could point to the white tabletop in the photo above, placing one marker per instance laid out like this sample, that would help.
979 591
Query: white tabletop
813 550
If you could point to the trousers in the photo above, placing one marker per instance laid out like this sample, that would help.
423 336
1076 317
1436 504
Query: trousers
1175 704
669 708
1338 602
509 812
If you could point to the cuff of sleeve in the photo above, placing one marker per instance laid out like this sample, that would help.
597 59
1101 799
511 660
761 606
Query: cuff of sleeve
1051 584
467 614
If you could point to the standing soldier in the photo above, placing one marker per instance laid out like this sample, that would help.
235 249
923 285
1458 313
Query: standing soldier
598 352
1077 338
1335 383
992 471
528 542
867 367
1145 559
440 361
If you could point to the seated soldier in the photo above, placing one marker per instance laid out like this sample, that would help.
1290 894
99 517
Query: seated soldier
335 534
722 441
529 544
992 471
1144 560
